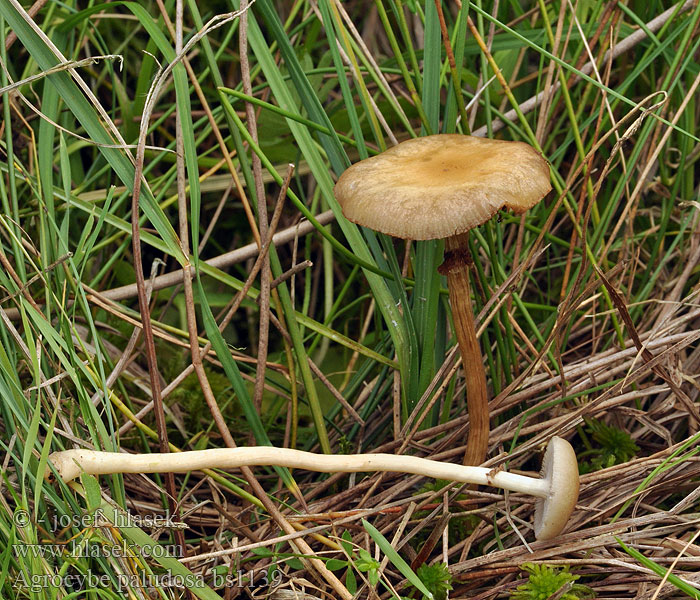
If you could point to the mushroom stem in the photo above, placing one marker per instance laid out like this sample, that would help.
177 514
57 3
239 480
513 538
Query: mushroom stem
556 489
456 267
70 463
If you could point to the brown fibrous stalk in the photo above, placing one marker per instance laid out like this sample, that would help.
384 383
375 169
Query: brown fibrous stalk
456 268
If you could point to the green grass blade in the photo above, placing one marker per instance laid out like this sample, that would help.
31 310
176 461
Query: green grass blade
395 559
85 113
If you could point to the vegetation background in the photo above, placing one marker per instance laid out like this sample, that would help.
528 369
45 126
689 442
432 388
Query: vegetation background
145 151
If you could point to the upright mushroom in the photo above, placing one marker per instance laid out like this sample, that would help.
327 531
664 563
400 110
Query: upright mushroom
441 186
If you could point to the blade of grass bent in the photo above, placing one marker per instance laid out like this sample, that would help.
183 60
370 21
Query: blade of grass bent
291 115
85 113
660 570
395 559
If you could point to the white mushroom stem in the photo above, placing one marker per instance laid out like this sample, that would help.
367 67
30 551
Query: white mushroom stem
70 463
556 489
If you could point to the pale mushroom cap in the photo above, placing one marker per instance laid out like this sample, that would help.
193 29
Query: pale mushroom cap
441 185
560 469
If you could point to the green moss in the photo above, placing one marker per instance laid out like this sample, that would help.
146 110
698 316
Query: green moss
437 578
547 582
614 447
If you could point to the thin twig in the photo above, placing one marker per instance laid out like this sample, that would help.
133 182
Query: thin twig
265 275
144 309
224 260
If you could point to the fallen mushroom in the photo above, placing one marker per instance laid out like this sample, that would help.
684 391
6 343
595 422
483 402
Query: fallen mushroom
556 488
440 187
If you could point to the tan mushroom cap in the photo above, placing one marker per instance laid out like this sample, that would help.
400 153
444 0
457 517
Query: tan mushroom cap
441 185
